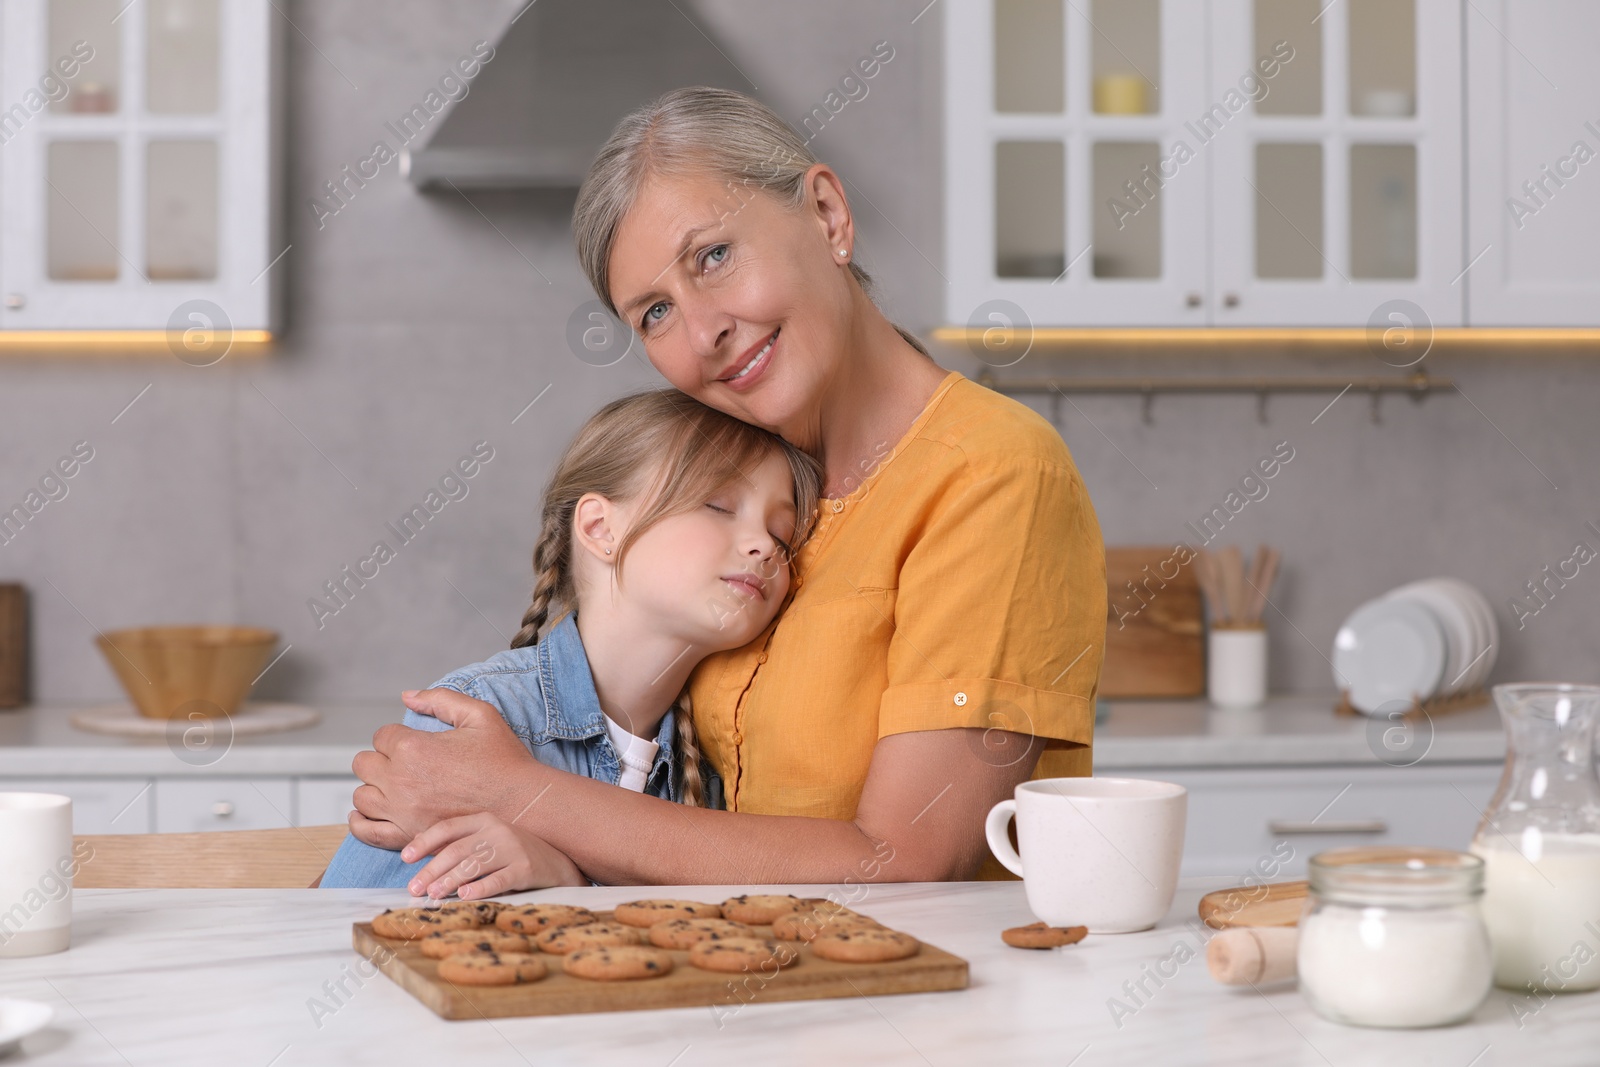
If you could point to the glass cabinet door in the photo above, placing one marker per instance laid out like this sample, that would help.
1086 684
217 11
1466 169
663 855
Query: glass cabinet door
1073 194
138 185
1338 184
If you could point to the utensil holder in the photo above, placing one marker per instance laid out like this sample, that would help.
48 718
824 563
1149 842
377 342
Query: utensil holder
1236 666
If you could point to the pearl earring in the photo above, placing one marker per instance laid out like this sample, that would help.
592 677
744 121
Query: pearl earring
608 552
841 251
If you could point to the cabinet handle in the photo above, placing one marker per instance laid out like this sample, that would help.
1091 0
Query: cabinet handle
1280 827
16 301
1230 300
1193 300
222 809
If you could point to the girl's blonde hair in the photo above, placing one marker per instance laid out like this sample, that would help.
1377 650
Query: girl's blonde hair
671 453
698 130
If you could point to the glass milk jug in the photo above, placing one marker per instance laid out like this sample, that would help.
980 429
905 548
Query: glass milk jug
1540 841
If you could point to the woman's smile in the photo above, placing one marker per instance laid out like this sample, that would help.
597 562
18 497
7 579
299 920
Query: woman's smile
752 365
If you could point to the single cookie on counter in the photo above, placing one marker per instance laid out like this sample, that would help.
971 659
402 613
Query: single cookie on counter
565 939
536 918
443 943
1040 935
650 912
807 925
737 955
413 924
492 968
620 964
686 933
759 909
865 945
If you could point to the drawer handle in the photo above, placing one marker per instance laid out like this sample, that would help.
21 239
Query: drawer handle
222 809
1279 827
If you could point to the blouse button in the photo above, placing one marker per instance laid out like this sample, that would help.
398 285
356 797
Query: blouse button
738 738
961 700
761 658
838 506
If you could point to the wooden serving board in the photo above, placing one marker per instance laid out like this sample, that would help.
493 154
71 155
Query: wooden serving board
809 978
1278 904
1155 630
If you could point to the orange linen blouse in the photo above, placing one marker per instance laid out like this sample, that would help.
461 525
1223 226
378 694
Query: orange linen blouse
961 584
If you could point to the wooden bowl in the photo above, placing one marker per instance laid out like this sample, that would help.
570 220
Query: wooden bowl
180 671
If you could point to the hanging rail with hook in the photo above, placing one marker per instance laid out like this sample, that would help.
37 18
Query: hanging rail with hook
1416 386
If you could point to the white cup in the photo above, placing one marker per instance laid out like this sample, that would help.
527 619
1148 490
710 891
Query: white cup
36 866
1236 667
1101 852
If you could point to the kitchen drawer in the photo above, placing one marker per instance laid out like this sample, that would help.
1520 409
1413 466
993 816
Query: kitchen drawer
1240 817
324 801
183 805
99 805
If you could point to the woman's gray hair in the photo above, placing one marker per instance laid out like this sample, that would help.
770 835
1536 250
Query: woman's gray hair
697 130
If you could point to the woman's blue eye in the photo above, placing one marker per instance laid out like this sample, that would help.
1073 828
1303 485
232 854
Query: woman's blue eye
720 251
650 312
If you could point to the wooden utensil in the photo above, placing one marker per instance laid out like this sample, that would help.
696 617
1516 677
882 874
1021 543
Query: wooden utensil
1277 904
13 645
1155 625
1252 955
811 978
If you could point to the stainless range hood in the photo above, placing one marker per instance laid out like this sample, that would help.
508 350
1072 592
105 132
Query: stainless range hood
563 73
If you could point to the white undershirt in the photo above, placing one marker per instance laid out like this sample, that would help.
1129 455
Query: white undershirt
636 754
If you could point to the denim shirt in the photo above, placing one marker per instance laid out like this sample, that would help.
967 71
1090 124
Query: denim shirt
546 694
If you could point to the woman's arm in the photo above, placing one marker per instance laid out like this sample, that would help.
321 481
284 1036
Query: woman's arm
920 817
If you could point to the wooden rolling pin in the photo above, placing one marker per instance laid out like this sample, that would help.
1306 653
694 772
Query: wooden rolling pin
1251 955
1258 937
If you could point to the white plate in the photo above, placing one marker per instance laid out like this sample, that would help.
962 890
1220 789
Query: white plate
1460 629
18 1019
1488 629
1386 651
123 721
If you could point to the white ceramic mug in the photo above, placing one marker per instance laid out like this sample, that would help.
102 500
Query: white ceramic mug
36 866
1101 852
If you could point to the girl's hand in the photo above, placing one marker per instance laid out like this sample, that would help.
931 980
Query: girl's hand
477 856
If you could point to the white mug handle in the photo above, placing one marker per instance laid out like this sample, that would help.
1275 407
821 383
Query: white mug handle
995 829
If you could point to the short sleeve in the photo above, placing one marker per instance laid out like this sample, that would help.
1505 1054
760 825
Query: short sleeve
1000 612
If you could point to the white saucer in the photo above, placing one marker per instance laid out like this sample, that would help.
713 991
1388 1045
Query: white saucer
1388 650
18 1019
122 720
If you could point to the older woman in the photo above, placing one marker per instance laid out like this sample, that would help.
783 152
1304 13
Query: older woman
947 617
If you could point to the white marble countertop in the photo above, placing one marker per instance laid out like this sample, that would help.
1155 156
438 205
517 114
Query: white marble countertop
208 977
1288 730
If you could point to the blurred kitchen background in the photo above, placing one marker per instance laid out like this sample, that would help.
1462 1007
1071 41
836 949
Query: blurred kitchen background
413 316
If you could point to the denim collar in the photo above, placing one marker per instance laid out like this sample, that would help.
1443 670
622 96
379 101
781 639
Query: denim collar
571 703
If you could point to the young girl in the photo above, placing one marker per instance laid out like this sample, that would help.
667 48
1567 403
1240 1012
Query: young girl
666 535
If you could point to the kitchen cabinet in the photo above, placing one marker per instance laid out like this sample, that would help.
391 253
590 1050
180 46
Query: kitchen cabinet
99 805
138 180
324 801
185 805
1240 817
1533 163
1235 163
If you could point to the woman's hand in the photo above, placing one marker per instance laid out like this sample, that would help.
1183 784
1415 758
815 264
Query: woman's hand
477 856
416 779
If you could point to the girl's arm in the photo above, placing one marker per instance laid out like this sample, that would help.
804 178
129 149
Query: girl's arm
920 817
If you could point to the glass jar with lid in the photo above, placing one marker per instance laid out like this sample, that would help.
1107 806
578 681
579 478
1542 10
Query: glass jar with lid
1393 937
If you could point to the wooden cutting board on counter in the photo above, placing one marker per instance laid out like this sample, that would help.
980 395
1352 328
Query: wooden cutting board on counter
1155 625
810 978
